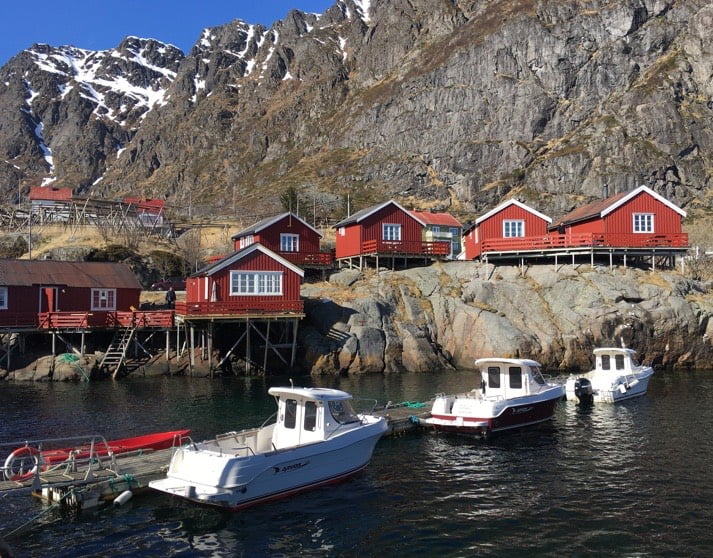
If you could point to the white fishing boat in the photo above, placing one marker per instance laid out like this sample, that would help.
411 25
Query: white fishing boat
316 439
513 393
616 376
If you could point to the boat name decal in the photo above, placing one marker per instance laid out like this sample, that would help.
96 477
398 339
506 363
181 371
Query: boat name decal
290 467
521 410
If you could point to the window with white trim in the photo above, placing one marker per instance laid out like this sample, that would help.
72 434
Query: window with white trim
246 241
643 222
103 299
513 228
391 231
3 298
289 242
342 231
246 283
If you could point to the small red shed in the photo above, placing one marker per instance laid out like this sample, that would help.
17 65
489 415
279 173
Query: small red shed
506 223
254 280
289 236
29 288
384 228
148 210
629 219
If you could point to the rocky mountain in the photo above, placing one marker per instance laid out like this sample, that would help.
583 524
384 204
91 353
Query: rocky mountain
454 104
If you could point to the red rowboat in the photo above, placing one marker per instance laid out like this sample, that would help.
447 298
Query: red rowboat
23 462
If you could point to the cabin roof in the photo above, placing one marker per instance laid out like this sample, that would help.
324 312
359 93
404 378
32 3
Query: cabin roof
239 255
50 193
614 350
71 274
482 362
364 213
508 203
316 394
435 218
264 223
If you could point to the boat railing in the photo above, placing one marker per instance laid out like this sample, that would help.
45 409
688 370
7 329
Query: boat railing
30 458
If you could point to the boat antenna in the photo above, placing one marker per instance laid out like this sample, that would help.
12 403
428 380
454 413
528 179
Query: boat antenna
623 345
292 384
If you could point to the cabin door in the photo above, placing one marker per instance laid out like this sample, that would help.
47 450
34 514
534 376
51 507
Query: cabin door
49 299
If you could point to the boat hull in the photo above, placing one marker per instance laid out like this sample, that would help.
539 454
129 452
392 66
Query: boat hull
486 417
244 481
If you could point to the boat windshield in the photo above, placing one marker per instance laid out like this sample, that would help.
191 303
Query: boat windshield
343 412
537 376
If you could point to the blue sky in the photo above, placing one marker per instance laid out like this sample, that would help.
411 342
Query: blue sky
100 25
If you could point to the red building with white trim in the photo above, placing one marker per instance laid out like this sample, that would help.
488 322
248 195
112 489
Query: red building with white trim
506 224
35 293
386 229
288 236
442 226
254 280
640 218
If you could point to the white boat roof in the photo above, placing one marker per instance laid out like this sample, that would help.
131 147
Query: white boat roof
314 393
515 361
614 350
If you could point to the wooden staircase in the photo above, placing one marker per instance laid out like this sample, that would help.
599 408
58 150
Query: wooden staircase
116 353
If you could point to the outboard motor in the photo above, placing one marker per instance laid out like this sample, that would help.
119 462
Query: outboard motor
583 390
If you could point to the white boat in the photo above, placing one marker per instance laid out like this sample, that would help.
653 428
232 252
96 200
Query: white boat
316 439
512 393
617 376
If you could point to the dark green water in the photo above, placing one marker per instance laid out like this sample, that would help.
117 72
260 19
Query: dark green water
633 479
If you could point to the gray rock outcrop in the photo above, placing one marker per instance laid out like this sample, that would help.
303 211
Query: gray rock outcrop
448 315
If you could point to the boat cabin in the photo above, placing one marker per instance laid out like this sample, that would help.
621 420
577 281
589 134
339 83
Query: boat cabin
616 359
310 415
506 378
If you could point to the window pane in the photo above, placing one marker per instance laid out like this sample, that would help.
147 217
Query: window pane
619 360
310 416
515 375
290 413
606 365
493 377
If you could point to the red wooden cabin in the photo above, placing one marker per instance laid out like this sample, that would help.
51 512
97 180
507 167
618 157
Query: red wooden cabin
640 218
385 229
254 280
49 294
507 224
289 236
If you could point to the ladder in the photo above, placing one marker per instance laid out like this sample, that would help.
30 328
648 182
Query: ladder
116 353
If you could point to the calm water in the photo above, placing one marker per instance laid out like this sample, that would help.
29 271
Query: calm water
633 479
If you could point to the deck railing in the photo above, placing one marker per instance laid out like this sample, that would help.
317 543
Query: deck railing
322 259
564 241
227 308
408 247
84 320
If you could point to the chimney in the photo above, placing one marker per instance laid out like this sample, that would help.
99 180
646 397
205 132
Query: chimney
605 191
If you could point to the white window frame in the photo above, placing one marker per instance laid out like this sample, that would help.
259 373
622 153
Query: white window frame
391 232
103 300
253 283
342 231
289 242
642 223
513 228
246 240
3 298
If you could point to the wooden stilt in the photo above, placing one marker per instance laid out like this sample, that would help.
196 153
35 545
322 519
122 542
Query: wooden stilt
267 345
168 343
247 346
192 351
210 348
294 342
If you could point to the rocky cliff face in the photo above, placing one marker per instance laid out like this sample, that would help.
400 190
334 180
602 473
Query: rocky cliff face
455 104
448 315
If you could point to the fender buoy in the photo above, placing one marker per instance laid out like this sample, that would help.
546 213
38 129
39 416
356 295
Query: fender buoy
122 498
21 464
